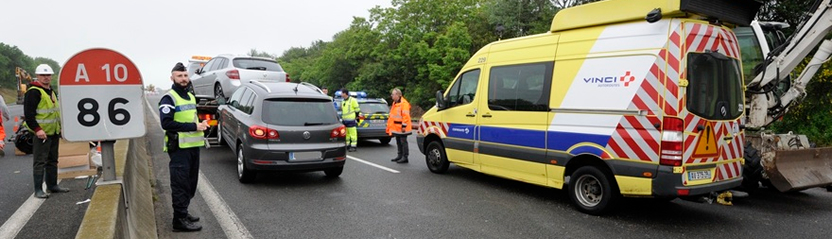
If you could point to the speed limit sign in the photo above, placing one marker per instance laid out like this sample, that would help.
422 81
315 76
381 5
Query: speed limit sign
100 95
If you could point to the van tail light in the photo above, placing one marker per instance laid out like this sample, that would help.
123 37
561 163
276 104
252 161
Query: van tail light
287 78
672 141
233 74
340 132
260 132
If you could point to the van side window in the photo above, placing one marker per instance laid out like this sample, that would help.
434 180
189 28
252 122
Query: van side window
520 87
464 89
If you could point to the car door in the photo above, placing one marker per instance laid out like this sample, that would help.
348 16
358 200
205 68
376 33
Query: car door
202 82
228 119
513 121
461 116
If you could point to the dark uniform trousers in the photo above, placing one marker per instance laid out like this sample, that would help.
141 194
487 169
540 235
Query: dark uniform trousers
401 144
184 173
46 160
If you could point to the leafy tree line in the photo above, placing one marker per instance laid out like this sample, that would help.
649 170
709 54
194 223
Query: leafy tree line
11 57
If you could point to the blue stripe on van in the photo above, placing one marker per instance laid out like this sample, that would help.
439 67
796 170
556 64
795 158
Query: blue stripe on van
564 140
519 137
462 131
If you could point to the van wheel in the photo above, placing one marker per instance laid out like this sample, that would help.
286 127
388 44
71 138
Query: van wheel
333 172
384 140
244 174
435 157
591 190
218 92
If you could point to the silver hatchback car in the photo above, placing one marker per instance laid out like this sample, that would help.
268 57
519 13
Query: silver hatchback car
222 75
281 126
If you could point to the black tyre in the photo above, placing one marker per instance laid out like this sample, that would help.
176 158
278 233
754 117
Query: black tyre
333 172
435 157
218 92
592 191
752 171
220 140
244 174
384 140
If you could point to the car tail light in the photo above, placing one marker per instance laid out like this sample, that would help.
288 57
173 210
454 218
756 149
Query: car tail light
339 132
233 74
672 141
287 78
260 132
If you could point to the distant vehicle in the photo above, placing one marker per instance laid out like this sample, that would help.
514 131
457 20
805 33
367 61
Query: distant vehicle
282 126
372 124
222 75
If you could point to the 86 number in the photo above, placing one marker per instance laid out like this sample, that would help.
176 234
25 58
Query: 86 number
112 111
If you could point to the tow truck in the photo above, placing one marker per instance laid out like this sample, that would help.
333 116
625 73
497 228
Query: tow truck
787 162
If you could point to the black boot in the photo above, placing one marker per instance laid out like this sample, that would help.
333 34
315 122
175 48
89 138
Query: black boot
39 186
183 225
192 218
396 158
403 160
56 189
52 180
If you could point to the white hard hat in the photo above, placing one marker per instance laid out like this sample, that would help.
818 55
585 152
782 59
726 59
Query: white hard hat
44 69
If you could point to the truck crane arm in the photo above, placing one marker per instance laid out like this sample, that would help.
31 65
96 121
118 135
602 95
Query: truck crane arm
766 104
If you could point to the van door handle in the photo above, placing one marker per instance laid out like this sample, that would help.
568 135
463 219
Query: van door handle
486 116
471 115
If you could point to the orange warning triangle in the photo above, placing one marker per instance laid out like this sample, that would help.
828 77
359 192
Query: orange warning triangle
706 145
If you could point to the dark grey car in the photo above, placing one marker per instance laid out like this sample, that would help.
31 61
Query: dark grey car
282 126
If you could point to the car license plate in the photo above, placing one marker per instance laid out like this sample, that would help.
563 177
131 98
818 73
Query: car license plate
305 156
699 175
378 123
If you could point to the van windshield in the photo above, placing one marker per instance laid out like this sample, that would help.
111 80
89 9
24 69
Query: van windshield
715 87
299 112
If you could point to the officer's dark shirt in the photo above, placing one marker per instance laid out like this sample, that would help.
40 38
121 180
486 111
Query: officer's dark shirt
167 108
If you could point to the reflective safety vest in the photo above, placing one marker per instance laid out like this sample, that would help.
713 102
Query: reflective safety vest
185 112
399 120
348 108
48 113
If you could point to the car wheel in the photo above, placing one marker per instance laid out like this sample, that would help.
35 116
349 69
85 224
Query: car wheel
244 174
333 172
218 92
384 140
591 190
435 158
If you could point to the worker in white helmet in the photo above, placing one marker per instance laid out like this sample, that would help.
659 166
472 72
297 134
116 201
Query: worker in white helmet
43 118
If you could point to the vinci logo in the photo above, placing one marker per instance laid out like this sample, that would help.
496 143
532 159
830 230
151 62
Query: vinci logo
611 81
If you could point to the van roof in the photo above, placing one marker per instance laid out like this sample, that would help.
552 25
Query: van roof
739 12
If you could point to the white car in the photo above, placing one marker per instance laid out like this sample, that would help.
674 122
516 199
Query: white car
222 75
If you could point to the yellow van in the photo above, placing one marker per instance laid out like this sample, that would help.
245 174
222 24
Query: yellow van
621 98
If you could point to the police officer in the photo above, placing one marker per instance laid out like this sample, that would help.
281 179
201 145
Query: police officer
42 117
398 124
349 111
183 138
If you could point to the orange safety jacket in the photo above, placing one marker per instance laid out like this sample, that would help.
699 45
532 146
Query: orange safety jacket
399 120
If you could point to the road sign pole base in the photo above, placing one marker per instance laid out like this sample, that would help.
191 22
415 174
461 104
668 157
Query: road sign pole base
108 160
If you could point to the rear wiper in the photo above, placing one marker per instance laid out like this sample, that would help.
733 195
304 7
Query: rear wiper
380 112
308 124
256 68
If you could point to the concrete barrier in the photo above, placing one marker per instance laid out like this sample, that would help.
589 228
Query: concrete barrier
123 210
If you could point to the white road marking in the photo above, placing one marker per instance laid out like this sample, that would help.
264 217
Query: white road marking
230 223
372 164
20 217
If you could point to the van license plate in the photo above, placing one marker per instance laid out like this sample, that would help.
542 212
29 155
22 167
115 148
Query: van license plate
305 156
699 175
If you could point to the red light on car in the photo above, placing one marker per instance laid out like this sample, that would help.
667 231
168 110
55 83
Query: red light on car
260 132
339 132
233 74
683 192
287 78
205 116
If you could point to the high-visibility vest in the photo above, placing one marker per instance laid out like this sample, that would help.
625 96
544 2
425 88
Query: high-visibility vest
185 112
48 113
348 108
399 119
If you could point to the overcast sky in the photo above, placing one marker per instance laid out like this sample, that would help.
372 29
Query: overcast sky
156 34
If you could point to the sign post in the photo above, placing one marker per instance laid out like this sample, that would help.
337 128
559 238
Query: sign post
100 96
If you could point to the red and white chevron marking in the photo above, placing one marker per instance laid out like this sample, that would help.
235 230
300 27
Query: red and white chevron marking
433 127
728 171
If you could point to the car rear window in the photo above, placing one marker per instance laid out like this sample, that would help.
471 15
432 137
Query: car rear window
373 108
257 64
299 112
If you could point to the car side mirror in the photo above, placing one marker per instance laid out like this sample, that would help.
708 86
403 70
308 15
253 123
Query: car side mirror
221 101
440 100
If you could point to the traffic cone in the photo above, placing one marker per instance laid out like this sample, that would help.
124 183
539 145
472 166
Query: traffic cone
16 120
98 148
